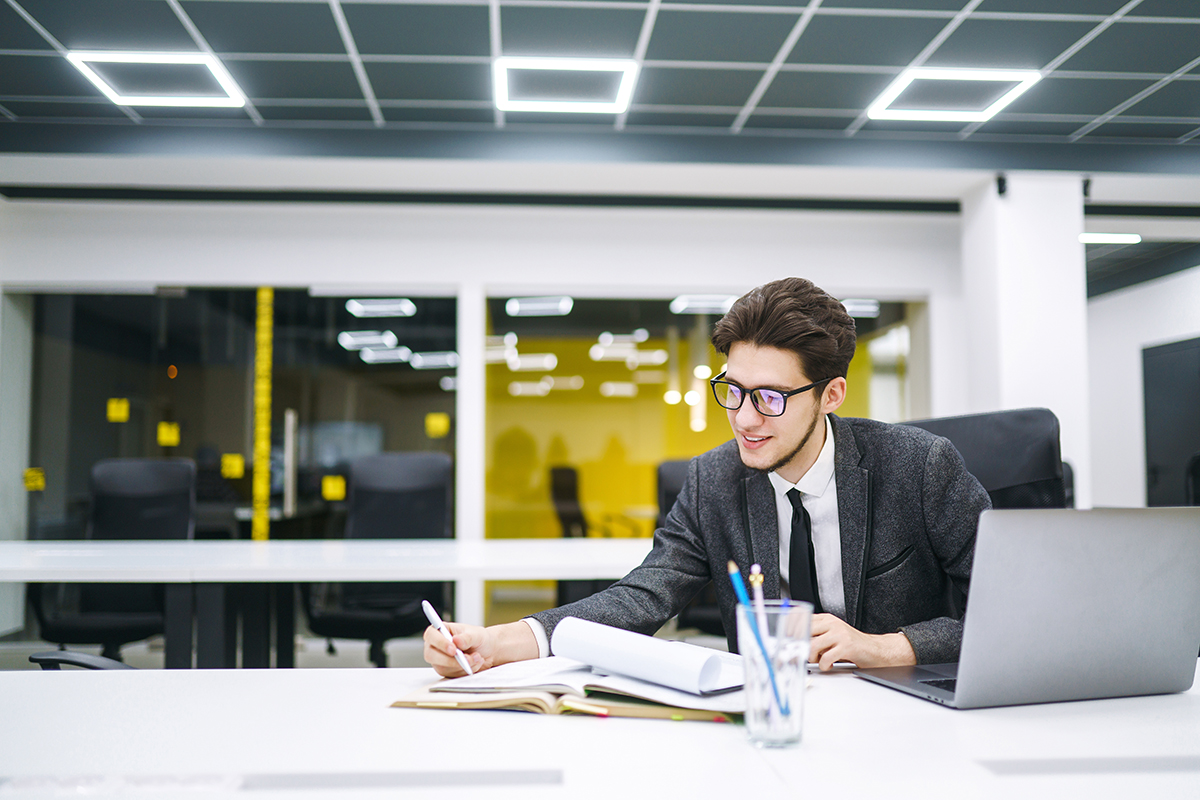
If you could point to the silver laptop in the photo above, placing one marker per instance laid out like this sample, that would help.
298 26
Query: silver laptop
1072 605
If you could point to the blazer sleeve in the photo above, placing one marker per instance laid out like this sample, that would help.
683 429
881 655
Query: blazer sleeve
952 500
672 573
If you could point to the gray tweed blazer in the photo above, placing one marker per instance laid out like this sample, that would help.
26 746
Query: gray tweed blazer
908 511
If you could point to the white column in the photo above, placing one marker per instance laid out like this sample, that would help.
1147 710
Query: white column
1025 284
470 450
16 375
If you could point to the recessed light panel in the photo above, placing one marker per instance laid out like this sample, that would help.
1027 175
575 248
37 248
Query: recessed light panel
1023 78
233 97
539 306
1109 238
626 68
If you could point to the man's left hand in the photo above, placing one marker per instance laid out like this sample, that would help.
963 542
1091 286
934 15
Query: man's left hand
835 640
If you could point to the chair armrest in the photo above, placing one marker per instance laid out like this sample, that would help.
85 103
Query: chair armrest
54 659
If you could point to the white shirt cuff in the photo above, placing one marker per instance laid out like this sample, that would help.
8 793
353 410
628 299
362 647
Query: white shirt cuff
539 633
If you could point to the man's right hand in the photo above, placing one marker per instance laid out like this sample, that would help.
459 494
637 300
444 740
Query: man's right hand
483 647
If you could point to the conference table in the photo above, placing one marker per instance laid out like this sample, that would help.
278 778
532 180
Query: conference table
331 734
197 576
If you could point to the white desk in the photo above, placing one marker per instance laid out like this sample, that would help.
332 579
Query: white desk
214 563
330 734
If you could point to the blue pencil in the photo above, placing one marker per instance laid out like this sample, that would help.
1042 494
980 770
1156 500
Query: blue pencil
739 588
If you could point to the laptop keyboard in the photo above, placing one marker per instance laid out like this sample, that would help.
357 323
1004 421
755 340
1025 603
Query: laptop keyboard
942 683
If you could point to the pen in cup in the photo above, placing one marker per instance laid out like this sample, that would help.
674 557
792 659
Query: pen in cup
436 622
739 588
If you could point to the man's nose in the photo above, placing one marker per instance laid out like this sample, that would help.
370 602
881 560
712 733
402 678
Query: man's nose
747 415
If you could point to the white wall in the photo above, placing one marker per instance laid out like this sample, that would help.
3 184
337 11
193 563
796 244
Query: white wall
1120 325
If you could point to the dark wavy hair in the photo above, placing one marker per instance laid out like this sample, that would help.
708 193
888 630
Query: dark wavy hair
792 314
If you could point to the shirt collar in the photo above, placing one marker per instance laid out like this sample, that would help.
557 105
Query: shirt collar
819 475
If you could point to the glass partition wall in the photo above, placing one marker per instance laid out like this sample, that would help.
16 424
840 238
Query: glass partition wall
586 397
172 374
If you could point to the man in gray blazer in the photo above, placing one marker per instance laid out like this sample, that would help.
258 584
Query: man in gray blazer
873 523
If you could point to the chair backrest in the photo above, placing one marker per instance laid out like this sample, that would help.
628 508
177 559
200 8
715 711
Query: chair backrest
400 496
671 475
143 498
1192 475
564 493
1014 454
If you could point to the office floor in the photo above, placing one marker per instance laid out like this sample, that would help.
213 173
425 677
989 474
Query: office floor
311 651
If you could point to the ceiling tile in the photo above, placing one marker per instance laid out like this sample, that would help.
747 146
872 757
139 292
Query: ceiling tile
695 87
1176 99
1094 96
337 113
765 119
482 116
441 30
1143 130
17 34
584 32
718 36
266 27
295 79
1167 8
233 114
886 41
661 119
51 76
431 81
111 25
1096 7
1139 47
906 5
103 110
912 126
578 120
1024 128
1009 44
824 90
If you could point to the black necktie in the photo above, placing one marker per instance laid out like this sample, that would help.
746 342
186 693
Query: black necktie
802 565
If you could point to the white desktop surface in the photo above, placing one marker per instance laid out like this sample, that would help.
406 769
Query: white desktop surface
227 733
467 562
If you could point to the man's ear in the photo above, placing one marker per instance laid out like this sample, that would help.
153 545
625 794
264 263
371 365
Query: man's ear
833 396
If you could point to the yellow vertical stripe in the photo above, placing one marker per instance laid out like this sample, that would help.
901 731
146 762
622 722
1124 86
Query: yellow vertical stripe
263 342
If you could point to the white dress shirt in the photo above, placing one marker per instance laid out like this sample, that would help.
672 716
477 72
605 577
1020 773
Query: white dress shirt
818 490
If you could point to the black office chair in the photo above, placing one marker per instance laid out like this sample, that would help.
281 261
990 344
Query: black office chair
1192 488
702 612
564 494
390 496
132 498
1014 454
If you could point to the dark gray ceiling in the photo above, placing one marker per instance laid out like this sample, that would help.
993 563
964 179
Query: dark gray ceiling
740 80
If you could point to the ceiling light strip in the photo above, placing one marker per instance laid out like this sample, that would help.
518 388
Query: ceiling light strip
924 55
1065 54
879 108
202 43
627 67
639 52
765 81
360 72
1137 98
497 51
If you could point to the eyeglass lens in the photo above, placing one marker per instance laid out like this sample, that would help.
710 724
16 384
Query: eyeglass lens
767 401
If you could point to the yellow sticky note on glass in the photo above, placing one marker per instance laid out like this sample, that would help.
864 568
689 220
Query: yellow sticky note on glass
233 466
333 487
437 425
35 480
118 409
168 434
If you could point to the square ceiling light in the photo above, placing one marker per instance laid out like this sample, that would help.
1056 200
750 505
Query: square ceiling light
626 68
233 97
1023 78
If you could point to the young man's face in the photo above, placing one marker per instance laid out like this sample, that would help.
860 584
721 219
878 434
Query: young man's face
791 442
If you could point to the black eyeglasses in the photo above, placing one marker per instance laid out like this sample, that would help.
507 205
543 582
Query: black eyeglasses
768 402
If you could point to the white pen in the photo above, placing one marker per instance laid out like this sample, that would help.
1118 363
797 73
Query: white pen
436 622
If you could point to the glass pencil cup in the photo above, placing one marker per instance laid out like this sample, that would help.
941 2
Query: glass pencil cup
773 640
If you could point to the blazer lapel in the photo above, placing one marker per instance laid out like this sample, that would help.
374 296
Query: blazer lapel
853 501
764 529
